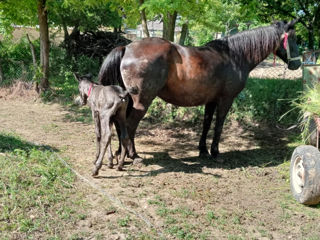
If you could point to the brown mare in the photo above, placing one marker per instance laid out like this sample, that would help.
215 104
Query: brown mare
211 75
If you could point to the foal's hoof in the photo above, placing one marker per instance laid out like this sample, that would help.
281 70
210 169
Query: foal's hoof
119 168
110 166
95 173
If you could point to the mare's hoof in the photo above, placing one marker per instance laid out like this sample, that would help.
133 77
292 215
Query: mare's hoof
204 155
119 168
219 159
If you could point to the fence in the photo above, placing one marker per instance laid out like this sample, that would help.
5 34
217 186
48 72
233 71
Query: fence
266 69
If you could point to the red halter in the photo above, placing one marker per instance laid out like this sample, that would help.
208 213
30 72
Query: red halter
285 44
285 41
90 90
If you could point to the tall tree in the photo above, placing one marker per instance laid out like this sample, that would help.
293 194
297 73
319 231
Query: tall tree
144 22
44 44
169 25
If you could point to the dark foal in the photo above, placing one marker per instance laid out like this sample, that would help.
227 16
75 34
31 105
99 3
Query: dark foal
108 105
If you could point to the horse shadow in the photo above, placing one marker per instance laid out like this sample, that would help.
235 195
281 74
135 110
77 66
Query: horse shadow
271 149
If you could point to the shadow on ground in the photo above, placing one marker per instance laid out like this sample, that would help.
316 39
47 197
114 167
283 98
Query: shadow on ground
9 143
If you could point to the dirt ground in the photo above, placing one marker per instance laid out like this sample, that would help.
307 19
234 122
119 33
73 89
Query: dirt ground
174 194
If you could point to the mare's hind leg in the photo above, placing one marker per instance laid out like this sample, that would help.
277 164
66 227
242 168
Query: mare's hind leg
209 110
104 142
132 124
224 105
124 140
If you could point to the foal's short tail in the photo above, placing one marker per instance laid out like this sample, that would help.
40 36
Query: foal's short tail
110 70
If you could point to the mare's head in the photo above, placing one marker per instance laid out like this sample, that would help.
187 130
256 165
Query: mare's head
85 86
288 49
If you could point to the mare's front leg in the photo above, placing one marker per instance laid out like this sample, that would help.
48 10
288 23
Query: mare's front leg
104 142
224 105
209 110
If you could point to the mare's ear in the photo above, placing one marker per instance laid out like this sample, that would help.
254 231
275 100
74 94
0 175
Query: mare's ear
290 25
76 76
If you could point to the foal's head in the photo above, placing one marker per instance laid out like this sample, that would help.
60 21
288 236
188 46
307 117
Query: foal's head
85 87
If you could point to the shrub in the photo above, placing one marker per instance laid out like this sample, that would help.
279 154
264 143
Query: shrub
16 60
262 100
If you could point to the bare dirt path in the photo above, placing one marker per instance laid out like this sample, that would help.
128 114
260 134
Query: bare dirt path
183 196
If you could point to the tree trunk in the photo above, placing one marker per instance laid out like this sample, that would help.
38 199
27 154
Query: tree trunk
144 21
33 53
169 24
184 33
44 44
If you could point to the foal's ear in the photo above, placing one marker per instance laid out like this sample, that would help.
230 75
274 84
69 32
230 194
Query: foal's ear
88 76
76 76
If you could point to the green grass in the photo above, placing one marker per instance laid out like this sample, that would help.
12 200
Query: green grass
35 188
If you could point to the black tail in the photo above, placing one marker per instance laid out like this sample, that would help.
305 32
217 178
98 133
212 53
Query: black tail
110 70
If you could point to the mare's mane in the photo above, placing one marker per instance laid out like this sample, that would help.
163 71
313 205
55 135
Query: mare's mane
252 44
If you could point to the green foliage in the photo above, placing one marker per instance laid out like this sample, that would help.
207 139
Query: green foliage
64 86
309 100
308 104
34 188
164 112
86 16
16 60
262 100
267 100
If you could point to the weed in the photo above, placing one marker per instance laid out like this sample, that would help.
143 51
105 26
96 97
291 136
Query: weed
211 216
124 222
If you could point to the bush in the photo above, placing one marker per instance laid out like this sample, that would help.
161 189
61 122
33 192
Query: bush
266 100
16 60
262 100
64 86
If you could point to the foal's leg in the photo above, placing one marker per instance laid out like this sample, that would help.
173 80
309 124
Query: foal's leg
104 142
224 105
116 124
96 118
109 150
209 110
124 140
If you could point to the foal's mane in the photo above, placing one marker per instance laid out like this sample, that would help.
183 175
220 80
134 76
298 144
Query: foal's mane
253 45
